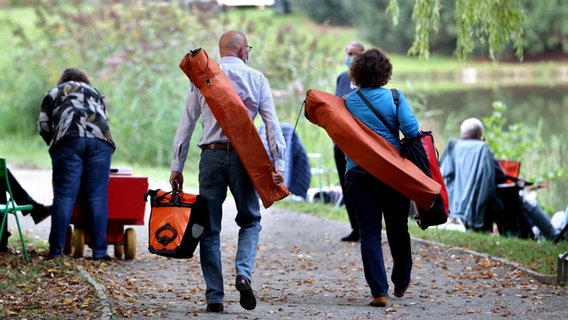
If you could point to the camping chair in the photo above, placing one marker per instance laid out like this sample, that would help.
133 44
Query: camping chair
510 219
11 207
511 169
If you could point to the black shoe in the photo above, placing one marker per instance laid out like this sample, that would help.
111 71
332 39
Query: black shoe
215 307
248 301
106 257
352 237
42 213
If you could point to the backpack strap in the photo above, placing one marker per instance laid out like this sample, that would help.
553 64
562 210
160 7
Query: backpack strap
396 101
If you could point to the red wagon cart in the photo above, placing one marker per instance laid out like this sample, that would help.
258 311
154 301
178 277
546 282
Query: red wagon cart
126 206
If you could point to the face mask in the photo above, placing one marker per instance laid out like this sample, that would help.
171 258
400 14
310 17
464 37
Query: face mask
348 62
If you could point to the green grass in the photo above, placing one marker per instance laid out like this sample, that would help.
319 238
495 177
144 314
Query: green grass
539 256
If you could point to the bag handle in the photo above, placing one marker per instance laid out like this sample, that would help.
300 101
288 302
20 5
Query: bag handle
396 102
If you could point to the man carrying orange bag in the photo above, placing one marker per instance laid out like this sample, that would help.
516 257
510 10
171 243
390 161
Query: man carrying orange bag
223 163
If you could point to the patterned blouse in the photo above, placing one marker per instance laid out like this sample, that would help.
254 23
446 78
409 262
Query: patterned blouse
73 109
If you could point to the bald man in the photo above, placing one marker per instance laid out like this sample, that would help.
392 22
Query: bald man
220 167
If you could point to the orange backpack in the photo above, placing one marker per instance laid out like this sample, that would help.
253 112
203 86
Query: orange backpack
177 222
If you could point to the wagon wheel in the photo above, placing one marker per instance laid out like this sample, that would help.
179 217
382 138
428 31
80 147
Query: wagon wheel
130 244
118 250
79 242
68 247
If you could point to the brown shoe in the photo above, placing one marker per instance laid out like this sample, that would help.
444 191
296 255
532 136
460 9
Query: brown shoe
215 307
379 302
248 301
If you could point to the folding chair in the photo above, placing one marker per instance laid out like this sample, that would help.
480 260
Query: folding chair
511 169
510 219
11 207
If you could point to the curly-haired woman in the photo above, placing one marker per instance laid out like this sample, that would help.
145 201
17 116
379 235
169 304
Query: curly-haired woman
371 197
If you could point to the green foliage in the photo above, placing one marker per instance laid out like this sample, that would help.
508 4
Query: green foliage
23 85
441 26
511 142
132 50
544 28
326 11
519 143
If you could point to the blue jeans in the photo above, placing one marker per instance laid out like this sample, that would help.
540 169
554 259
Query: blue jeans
80 164
371 199
219 169
540 219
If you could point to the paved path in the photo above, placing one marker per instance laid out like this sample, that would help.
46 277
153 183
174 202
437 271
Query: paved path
304 272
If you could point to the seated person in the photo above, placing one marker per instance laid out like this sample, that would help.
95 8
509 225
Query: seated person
471 174
21 197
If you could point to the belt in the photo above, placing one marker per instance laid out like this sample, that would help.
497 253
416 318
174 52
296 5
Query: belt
217 146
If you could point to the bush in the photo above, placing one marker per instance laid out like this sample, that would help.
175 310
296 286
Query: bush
132 51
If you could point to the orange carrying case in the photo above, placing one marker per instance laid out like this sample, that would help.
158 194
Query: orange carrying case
368 149
233 117
177 222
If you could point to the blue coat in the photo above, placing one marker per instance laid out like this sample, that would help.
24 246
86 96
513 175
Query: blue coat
468 169
297 174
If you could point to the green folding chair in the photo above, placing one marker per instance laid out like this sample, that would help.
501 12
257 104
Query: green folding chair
11 207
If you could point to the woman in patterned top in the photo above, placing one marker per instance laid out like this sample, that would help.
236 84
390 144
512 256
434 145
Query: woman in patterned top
73 123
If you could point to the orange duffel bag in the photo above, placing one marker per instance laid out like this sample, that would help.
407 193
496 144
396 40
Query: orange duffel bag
177 222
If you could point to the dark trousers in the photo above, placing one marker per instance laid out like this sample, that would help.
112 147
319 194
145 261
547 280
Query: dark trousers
373 199
341 163
20 196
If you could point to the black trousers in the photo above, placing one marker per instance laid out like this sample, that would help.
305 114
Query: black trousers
341 163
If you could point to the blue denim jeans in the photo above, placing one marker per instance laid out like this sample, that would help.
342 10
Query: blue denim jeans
539 218
371 199
219 169
80 164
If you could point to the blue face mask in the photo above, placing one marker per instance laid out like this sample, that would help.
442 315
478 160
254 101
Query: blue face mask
348 62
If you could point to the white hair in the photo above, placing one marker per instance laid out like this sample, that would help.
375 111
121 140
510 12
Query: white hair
472 128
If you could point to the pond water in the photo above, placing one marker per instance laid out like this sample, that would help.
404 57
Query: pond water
525 105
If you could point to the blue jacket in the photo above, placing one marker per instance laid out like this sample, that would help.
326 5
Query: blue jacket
344 86
297 173
468 169
382 100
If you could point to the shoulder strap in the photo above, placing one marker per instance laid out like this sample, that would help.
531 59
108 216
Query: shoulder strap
396 99
391 129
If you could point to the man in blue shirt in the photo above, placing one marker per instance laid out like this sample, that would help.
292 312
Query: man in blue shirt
220 167
343 88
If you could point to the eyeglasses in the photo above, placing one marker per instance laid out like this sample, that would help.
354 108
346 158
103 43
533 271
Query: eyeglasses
249 48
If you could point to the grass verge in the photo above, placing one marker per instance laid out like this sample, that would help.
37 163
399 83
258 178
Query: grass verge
539 256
